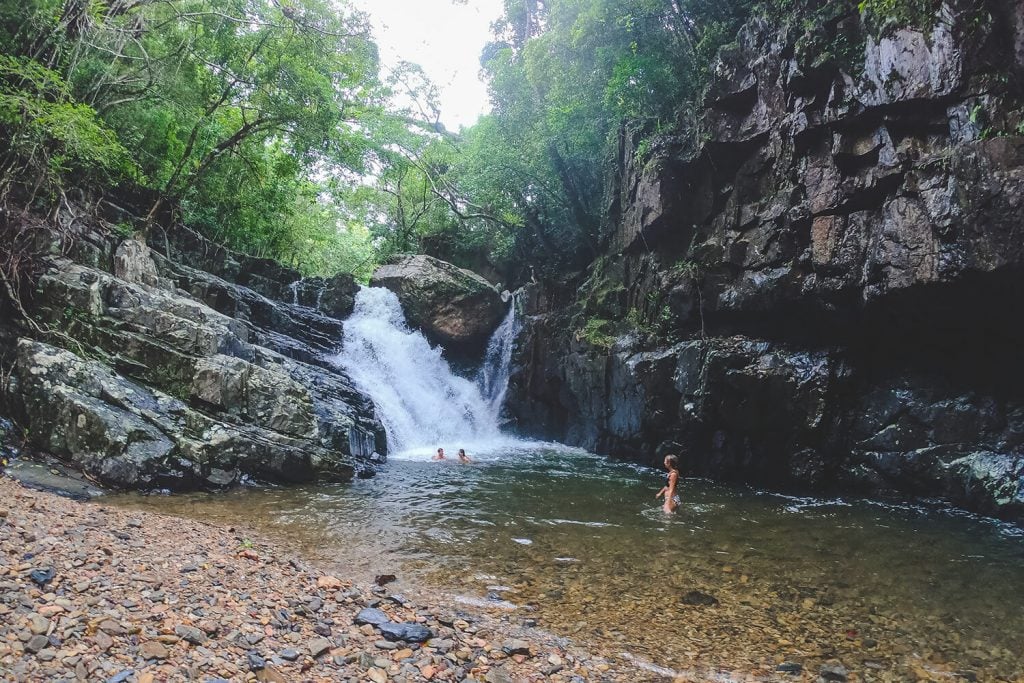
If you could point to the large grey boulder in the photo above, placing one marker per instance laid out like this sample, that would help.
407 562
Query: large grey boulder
452 306
126 435
294 329
134 263
267 397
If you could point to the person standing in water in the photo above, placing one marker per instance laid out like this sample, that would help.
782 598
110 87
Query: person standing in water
440 454
463 458
671 482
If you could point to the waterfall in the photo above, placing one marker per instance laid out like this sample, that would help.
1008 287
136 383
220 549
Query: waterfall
493 376
421 402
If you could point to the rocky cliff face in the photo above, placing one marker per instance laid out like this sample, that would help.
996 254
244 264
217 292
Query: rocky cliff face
821 287
150 373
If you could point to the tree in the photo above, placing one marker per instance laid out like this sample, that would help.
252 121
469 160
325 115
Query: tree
565 77
237 110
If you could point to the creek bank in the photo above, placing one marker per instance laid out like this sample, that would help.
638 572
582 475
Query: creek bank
91 592
821 290
154 370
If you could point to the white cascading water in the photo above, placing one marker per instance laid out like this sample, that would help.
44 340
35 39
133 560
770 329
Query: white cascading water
494 373
421 402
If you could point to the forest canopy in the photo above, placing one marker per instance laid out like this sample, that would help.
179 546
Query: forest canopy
272 126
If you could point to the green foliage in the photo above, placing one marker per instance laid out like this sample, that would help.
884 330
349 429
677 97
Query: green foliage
635 320
979 118
659 326
1012 124
567 77
124 230
234 110
51 137
603 294
882 16
827 32
685 269
597 332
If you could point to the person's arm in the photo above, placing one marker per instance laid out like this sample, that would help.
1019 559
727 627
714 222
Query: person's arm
660 493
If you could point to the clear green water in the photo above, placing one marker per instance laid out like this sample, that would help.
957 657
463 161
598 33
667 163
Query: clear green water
580 544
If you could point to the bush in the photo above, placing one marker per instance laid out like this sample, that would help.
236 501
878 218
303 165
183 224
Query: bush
882 16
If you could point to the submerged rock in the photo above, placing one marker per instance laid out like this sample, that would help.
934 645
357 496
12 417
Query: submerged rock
698 598
452 306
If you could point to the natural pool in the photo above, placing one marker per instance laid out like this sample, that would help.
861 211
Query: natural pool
578 543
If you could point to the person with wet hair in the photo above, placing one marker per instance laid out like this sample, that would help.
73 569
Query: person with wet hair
463 458
671 481
440 454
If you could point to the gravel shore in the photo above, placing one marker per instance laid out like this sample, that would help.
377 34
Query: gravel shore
94 593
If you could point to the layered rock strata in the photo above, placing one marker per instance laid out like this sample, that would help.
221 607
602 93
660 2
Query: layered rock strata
157 374
820 288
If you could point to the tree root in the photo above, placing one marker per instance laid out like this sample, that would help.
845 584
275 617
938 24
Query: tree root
15 301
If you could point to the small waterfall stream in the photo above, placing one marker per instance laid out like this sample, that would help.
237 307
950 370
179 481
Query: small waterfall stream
494 373
422 403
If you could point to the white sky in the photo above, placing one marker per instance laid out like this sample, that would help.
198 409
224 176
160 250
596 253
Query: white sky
443 37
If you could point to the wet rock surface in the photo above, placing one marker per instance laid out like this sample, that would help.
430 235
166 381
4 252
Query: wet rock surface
52 476
452 306
119 608
824 293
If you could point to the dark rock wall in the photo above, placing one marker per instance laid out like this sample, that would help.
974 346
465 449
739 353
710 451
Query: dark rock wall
822 288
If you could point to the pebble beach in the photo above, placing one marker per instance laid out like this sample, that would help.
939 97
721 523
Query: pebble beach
90 592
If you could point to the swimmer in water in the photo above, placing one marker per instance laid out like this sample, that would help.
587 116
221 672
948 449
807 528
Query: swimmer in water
463 457
440 454
669 490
